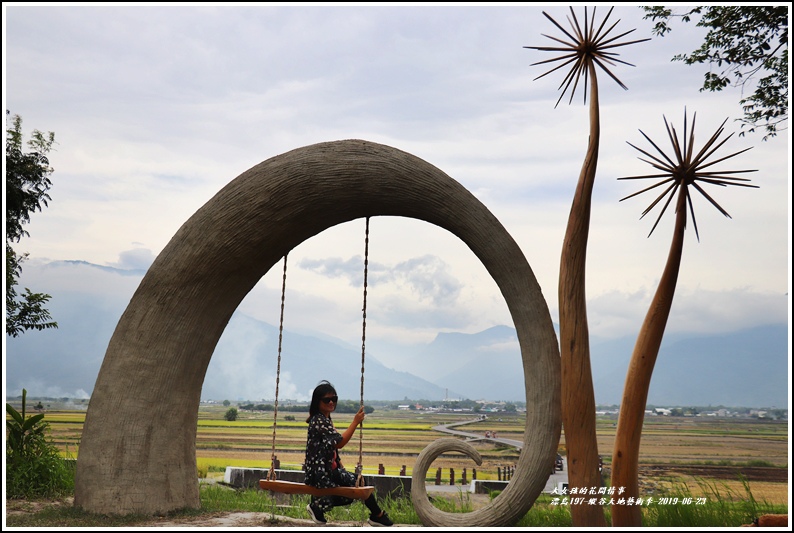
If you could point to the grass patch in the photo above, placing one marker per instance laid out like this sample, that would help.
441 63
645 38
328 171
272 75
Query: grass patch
219 499
759 462
719 506
544 514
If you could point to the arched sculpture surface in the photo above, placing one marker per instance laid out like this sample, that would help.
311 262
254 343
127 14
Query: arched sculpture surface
138 449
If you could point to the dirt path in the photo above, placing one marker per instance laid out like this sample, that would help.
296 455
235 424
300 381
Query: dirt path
241 520
219 519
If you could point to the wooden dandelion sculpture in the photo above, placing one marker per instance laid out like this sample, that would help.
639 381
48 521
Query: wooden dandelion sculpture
681 173
688 170
586 48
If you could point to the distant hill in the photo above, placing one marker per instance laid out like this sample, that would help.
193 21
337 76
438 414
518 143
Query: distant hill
747 368
245 361
487 365
743 368
65 362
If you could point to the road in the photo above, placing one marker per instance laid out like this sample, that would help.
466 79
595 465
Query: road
447 428
554 479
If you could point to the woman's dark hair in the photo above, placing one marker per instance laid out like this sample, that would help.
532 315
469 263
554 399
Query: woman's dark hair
323 388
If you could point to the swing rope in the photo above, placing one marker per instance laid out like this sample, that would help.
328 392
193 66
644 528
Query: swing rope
271 475
360 491
360 467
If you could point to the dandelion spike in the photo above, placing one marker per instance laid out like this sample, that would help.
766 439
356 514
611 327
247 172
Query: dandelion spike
685 170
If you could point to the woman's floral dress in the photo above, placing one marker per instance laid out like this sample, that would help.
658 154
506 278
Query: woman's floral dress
323 467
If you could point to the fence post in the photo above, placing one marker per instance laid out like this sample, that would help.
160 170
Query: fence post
499 473
463 479
402 471
451 476
381 469
474 473
438 476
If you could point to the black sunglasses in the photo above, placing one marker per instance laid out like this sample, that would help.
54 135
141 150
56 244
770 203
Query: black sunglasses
330 399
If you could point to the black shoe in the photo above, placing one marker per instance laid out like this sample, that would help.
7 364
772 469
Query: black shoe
317 515
382 520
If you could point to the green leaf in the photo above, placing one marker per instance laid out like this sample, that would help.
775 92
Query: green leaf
32 421
14 413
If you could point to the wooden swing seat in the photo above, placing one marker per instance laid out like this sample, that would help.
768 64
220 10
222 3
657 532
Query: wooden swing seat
292 487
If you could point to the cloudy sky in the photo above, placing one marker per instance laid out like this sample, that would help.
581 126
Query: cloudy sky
156 108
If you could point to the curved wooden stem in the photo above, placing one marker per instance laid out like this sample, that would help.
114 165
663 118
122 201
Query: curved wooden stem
625 457
578 397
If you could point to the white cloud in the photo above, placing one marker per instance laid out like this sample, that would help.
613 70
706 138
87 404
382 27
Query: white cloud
156 108
135 259
37 388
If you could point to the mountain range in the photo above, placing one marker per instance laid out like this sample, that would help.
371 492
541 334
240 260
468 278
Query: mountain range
743 368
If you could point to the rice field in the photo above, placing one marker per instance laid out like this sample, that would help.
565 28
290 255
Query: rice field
731 490
394 439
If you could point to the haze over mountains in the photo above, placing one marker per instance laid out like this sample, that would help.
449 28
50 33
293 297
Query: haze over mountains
744 368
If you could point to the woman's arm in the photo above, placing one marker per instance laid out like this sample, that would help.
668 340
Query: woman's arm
348 434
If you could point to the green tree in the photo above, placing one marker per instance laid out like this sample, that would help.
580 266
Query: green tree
27 183
231 414
743 42
226 403
34 467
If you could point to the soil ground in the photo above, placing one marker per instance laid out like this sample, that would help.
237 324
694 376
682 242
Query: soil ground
230 519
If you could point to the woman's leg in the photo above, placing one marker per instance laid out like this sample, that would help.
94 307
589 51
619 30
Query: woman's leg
326 502
347 479
372 505
341 478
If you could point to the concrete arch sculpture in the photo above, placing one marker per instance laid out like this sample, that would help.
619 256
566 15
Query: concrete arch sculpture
138 449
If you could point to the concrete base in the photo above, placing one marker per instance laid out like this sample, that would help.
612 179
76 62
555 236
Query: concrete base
396 486
485 486
240 477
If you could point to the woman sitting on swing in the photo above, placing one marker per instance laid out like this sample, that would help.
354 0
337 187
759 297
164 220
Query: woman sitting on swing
323 467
